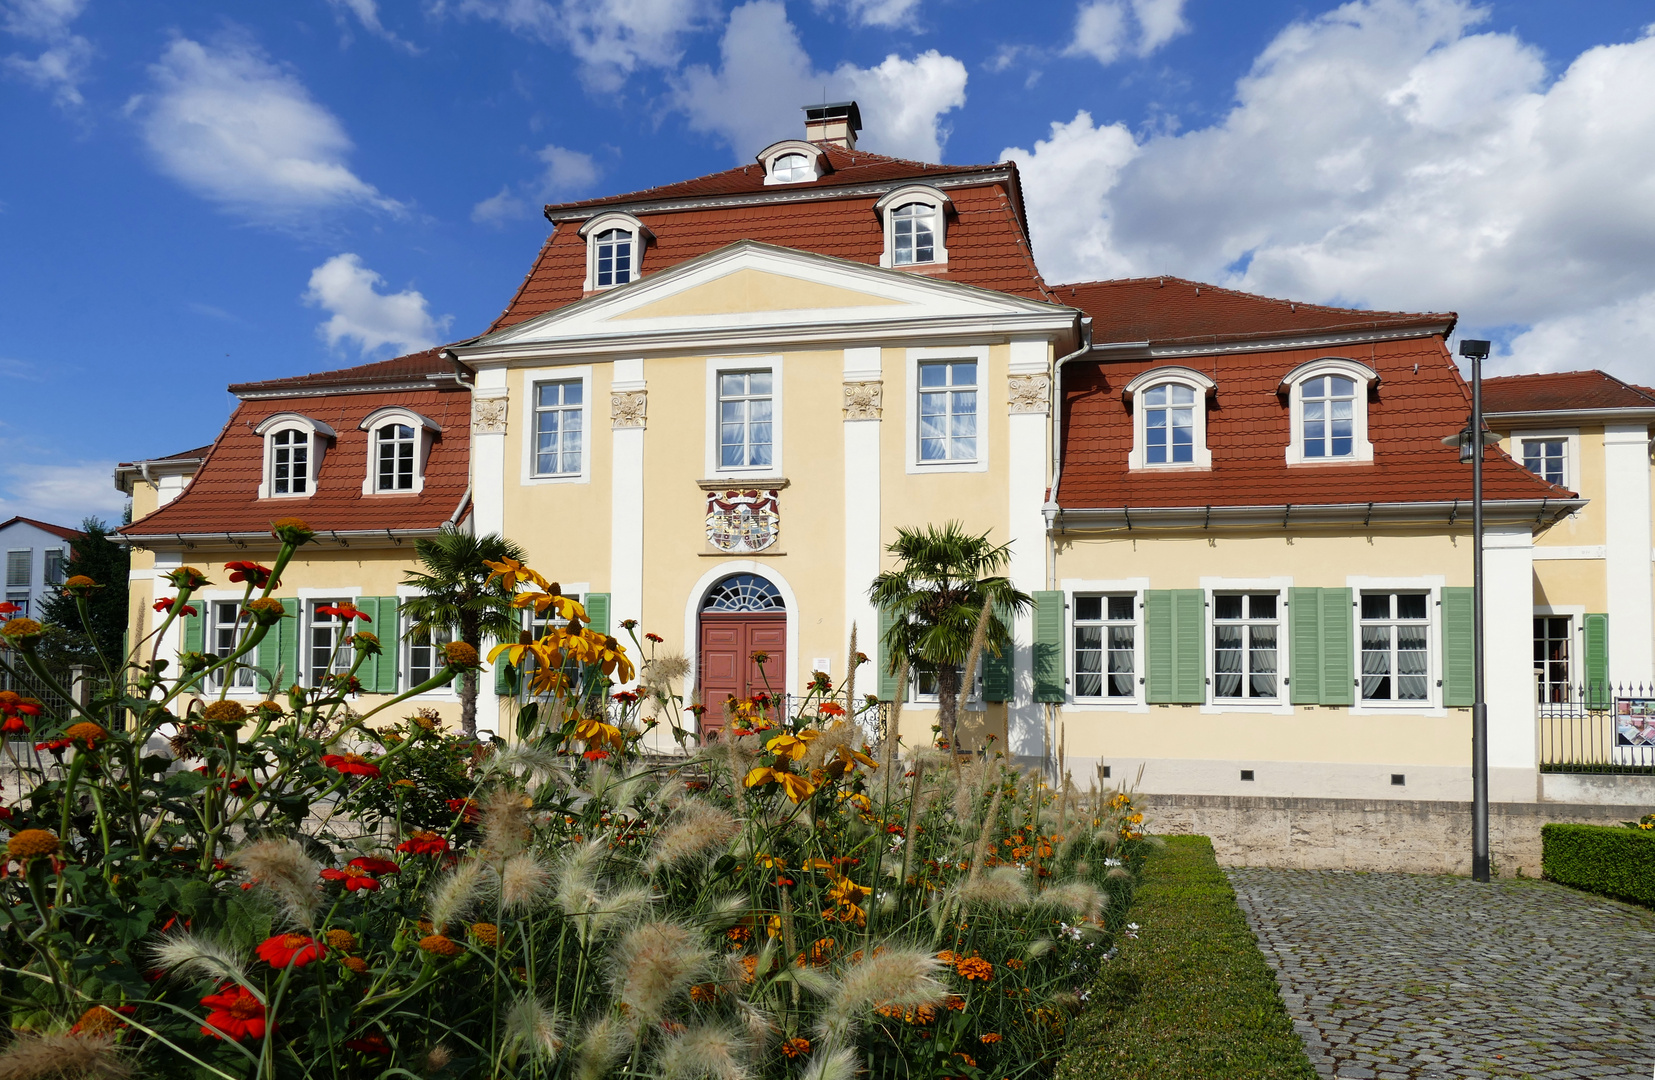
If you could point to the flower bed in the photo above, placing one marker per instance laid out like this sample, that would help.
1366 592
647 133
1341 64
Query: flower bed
1602 859
292 891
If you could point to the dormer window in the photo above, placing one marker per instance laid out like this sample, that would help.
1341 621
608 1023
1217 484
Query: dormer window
399 442
293 449
1169 419
792 161
916 224
1328 409
614 250
791 169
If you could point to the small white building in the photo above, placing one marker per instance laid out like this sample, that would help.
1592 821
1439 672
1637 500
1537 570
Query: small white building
37 558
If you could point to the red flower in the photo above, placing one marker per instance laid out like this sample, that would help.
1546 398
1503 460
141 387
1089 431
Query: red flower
830 708
7 609
375 866
372 1043
236 1015
238 785
54 745
296 950
424 843
249 571
166 602
351 763
345 612
657 638
464 807
595 755
13 725
625 697
355 880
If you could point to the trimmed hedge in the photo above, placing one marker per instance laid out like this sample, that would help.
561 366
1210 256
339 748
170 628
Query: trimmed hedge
1609 860
1191 995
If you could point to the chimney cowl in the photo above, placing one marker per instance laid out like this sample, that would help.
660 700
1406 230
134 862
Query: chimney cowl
833 122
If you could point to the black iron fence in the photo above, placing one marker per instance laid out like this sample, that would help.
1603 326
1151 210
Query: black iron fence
1597 728
16 677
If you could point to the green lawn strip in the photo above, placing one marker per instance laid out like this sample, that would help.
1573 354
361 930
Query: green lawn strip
1191 995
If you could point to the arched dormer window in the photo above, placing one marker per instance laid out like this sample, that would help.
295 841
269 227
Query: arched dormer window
614 250
293 448
1169 419
916 226
792 161
399 443
1327 400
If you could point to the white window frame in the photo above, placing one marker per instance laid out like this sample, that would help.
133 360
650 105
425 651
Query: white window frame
46 566
1282 703
1432 585
317 434
973 698
210 599
915 357
603 223
23 600
426 431
1576 614
1104 623
571 373
717 366
1571 450
307 598
813 154
894 200
28 568
1365 379
403 645
1119 587
1137 457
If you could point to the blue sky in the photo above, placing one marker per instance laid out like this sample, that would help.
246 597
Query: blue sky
198 193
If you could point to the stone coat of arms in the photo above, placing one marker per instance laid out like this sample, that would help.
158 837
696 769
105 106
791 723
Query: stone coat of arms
747 520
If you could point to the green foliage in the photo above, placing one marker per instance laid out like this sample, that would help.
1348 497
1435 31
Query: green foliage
1190 995
1608 860
109 564
420 782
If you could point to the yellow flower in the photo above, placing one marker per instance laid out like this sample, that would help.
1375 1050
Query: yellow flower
441 945
20 628
459 654
225 712
292 530
343 940
851 757
85 732
355 964
794 747
598 735
486 934
563 607
612 658
32 843
796 786
509 572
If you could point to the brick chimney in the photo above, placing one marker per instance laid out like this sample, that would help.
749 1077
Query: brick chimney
836 123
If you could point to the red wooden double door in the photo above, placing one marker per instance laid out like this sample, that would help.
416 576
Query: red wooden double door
725 661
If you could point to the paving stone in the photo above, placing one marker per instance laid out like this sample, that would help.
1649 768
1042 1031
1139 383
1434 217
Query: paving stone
1416 977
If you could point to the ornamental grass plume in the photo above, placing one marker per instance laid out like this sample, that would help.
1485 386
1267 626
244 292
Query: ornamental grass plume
900 977
454 892
290 875
534 1027
840 1064
840 735
698 829
525 883
601 1045
705 1050
63 1057
655 963
1078 898
187 952
504 817
1000 889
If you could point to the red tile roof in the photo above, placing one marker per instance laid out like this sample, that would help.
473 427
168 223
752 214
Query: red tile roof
1247 432
1563 391
847 168
986 243
60 531
223 497
182 455
409 369
1166 310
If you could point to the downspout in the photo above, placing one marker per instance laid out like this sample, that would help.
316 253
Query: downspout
1051 508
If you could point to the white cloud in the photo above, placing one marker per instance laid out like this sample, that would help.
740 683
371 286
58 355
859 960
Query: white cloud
64 57
765 76
64 494
890 13
610 38
1104 29
1386 154
364 315
366 12
236 129
566 173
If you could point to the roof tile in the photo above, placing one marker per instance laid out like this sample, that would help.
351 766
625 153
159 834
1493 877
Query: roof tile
1563 391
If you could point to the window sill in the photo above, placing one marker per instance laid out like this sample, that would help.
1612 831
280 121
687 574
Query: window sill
1185 468
724 481
947 466
1322 463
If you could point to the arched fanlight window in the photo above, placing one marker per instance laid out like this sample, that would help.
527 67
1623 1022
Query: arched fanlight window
791 168
914 234
743 592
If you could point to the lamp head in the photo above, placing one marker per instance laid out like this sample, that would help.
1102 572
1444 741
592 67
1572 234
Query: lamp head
1472 348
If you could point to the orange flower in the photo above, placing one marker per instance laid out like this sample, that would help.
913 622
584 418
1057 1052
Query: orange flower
948 956
703 993
750 968
990 1038
355 964
954 1003
441 945
796 1047
86 732
975 968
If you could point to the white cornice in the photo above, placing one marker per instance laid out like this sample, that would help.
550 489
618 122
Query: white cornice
1307 340
1553 417
213 541
1538 512
326 391
780 194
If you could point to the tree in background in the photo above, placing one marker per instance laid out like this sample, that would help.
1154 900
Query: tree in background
455 597
943 578
93 554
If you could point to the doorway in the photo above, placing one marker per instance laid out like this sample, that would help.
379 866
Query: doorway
743 614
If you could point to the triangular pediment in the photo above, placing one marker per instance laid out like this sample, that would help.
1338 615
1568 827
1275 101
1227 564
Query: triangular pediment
749 289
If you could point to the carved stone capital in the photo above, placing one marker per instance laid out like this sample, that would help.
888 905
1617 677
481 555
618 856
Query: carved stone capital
864 400
488 415
1029 393
626 409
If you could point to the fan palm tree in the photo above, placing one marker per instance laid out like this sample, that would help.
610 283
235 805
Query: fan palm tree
455 597
943 579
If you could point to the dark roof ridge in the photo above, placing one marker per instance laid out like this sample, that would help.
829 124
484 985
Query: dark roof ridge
409 366
1438 315
1637 388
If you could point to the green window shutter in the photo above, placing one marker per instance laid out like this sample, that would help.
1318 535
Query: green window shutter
597 609
195 633
1049 681
1176 642
1338 648
1158 646
386 627
1304 638
1459 655
505 679
997 670
267 656
288 648
882 658
1597 661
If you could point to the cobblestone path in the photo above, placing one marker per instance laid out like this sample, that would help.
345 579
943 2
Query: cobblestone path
1398 975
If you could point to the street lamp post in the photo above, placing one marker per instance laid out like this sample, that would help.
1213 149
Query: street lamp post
1471 445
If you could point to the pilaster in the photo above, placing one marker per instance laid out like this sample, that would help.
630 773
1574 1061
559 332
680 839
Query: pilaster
1626 499
1028 420
628 417
863 410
